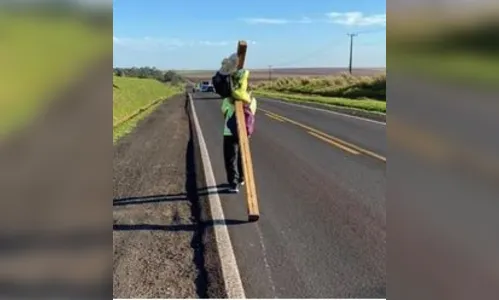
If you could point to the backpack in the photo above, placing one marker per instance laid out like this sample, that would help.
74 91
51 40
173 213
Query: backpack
249 118
222 84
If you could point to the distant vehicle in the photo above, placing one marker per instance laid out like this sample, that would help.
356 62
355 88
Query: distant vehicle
206 87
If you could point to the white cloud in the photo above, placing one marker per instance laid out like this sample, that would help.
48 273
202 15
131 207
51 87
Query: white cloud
305 20
159 44
266 21
346 18
271 21
357 18
214 43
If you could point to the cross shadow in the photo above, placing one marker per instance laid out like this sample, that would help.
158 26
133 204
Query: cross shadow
219 189
175 227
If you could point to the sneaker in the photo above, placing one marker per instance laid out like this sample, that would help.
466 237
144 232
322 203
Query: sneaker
233 189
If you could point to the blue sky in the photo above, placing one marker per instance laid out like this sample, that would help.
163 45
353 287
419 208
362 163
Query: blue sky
194 34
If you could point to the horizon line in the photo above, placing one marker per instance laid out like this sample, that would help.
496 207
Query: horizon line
266 69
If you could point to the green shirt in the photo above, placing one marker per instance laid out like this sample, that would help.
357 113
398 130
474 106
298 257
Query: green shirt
228 109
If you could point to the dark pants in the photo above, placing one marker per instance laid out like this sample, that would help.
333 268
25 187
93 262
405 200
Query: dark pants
233 162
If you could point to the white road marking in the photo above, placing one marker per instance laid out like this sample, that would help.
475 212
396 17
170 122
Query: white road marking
325 110
265 261
230 272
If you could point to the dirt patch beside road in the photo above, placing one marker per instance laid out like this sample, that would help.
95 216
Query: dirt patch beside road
158 239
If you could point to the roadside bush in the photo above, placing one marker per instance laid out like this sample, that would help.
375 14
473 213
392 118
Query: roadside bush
173 77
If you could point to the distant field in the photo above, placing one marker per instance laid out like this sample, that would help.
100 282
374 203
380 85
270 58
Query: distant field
263 74
358 92
40 55
343 86
132 94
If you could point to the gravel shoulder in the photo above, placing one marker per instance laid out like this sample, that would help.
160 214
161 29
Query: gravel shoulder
162 248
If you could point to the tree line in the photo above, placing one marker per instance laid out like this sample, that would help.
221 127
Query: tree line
150 73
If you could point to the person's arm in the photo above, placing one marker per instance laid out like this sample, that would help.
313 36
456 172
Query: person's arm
225 106
241 93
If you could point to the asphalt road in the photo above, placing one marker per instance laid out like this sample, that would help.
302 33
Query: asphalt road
322 228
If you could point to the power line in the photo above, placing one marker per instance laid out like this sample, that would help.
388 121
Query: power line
372 31
325 48
322 49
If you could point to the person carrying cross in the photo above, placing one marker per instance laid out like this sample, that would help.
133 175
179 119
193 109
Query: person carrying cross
232 85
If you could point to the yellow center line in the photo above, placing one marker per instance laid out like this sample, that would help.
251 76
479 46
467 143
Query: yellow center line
274 117
332 138
334 143
268 113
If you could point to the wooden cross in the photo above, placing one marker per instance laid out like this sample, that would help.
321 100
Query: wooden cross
249 177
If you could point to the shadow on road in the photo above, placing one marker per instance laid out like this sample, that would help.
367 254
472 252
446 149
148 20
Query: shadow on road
177 227
219 189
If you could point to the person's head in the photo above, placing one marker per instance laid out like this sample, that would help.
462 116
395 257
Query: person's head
229 64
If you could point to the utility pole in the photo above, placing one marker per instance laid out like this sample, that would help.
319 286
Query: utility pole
270 72
351 50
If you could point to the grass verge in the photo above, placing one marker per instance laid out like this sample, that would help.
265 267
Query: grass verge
40 55
131 95
359 104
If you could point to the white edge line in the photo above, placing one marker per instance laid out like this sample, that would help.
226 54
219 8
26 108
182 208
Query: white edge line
325 110
230 272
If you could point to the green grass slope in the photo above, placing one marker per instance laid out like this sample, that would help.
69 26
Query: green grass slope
132 94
